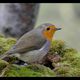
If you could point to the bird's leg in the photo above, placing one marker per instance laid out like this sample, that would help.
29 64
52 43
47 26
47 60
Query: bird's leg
20 63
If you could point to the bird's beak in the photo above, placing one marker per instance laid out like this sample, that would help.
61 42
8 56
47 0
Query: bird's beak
58 29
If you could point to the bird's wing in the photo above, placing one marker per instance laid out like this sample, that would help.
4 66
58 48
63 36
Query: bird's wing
26 43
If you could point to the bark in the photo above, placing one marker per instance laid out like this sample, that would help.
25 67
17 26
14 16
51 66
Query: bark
17 18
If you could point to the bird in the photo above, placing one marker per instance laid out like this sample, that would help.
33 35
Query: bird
33 45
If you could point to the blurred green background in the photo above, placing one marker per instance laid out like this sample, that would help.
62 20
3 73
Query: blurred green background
66 16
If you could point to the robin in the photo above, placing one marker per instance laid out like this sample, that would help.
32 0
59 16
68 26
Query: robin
33 45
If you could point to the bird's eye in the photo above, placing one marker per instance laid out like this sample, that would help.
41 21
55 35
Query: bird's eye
48 29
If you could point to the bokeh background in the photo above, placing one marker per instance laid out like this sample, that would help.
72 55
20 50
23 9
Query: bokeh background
66 16
18 18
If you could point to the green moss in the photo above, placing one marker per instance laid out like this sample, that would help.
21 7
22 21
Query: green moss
74 72
35 70
6 43
65 71
3 64
69 66
62 68
57 46
76 61
70 61
70 56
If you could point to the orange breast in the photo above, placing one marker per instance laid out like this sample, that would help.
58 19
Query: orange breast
48 34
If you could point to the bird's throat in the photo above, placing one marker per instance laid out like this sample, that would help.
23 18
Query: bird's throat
48 35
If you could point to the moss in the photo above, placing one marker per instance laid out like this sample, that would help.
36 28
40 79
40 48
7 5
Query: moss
62 68
74 72
69 65
68 72
29 71
57 46
70 56
6 43
76 61
3 64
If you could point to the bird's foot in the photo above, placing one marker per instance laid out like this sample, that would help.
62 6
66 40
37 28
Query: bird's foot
20 63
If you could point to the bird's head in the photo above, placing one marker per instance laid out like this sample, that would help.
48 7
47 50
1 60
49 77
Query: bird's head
49 30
